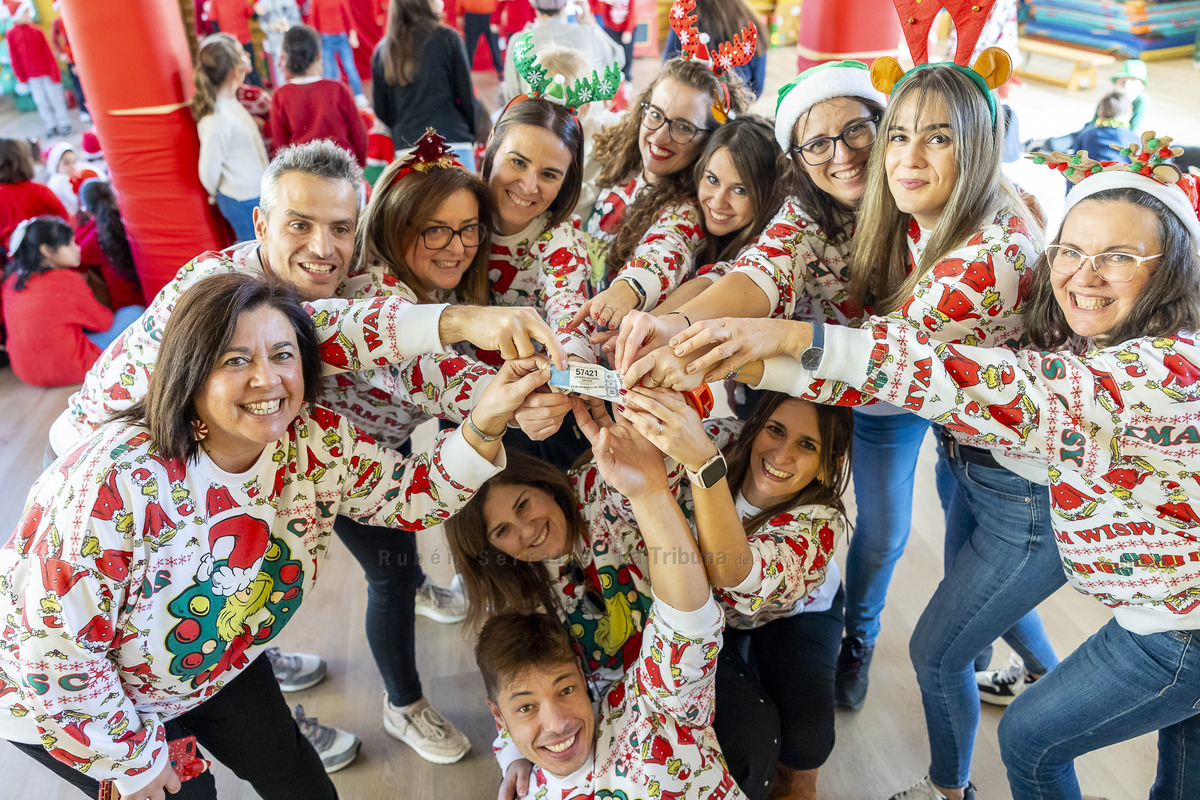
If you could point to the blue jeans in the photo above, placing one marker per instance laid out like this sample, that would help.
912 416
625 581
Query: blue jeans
1116 686
239 214
336 46
1007 564
885 461
122 319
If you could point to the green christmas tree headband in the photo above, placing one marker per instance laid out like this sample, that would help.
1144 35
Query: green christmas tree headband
554 88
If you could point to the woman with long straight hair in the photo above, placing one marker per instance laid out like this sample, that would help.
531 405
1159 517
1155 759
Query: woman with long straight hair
420 79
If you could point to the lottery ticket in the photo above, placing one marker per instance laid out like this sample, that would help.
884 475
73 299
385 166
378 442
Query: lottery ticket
589 379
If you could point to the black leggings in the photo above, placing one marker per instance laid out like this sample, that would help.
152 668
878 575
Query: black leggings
795 659
248 727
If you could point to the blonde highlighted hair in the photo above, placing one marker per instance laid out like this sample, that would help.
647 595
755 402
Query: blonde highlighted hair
218 56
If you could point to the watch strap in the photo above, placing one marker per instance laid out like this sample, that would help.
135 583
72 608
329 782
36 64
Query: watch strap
708 475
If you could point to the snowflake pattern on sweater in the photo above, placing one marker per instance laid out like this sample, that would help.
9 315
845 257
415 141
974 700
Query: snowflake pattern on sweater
1118 430
803 271
653 732
544 268
137 586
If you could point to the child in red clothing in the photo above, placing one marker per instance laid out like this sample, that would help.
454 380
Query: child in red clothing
34 64
62 49
339 40
310 107
49 311
66 176
105 247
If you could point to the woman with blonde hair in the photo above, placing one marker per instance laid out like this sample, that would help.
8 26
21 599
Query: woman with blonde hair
232 154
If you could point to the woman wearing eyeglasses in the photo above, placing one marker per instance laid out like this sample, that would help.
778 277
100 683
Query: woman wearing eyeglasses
646 223
1106 407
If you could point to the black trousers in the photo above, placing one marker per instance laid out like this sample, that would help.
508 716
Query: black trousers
474 26
248 727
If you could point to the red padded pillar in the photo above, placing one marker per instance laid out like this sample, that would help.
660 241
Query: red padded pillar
832 30
133 59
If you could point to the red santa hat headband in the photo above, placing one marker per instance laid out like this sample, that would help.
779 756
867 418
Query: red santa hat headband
992 69
429 153
732 54
1146 171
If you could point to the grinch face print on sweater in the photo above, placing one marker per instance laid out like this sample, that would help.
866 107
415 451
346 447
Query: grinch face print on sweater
246 589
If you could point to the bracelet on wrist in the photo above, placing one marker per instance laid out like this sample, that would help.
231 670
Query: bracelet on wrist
679 314
484 436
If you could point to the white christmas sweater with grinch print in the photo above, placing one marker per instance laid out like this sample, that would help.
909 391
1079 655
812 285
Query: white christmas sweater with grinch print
135 587
1118 431
653 729
666 255
353 337
545 268
803 271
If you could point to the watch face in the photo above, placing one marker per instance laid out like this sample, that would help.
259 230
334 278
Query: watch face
811 358
713 472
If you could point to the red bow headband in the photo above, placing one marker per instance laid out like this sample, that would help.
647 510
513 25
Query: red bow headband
732 54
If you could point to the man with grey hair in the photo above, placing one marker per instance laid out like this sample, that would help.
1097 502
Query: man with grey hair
305 229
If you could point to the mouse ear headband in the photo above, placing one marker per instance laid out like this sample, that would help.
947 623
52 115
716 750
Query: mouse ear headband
572 96
992 69
1147 170
730 54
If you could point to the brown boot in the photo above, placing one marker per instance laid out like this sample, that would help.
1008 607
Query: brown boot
793 784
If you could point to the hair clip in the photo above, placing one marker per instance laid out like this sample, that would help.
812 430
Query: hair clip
18 236
735 53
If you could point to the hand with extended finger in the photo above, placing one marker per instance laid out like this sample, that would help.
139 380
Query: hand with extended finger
516 780
663 368
666 418
718 348
165 782
626 460
610 306
641 333
512 331
508 391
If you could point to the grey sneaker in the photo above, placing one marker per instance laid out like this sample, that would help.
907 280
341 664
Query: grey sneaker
924 790
441 604
429 733
336 747
1000 687
295 671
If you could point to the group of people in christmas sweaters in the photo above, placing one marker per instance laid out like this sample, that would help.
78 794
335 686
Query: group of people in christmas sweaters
266 397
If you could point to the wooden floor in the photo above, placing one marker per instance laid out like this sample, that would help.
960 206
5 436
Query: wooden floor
881 749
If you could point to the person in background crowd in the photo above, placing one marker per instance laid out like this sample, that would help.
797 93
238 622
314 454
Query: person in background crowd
721 20
233 17
104 245
56 327
66 174
618 21
1114 114
62 49
34 64
232 154
21 197
275 17
339 40
421 79
551 27
310 107
480 19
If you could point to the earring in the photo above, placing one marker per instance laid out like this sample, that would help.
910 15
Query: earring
199 429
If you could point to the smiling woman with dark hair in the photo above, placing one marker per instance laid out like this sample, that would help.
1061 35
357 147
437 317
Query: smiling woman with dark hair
208 485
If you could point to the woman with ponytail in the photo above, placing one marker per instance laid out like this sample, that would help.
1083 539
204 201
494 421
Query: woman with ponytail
232 154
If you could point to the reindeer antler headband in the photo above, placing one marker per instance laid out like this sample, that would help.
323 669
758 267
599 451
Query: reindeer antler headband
731 54
599 86
992 69
1147 171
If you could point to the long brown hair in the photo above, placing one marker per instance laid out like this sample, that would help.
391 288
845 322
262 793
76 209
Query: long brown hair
218 55
495 581
16 161
1168 303
755 155
836 427
409 25
879 277
397 214
563 124
195 336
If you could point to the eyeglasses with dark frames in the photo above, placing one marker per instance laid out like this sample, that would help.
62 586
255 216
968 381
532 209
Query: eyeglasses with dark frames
438 237
681 130
1112 267
859 135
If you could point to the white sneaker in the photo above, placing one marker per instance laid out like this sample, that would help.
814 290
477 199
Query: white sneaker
429 733
999 687
336 747
925 790
441 604
295 671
